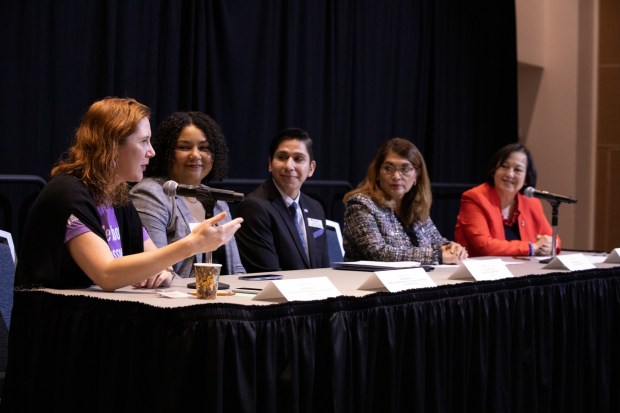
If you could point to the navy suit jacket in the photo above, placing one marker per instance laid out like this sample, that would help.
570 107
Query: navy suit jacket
268 239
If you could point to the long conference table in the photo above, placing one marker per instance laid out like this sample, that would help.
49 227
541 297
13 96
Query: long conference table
541 341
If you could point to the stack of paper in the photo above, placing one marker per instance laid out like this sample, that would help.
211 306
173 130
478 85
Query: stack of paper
374 265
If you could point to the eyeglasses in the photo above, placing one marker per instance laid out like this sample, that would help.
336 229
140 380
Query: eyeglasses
389 169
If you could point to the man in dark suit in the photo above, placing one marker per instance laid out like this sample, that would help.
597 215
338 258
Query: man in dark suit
284 229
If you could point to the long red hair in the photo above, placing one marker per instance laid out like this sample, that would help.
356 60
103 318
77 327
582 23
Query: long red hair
91 158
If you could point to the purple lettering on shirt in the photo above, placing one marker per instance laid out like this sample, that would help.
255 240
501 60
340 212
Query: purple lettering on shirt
110 226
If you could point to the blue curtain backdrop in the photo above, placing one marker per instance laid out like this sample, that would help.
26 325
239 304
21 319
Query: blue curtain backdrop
441 73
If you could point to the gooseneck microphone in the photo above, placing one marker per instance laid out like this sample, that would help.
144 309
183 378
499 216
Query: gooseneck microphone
531 192
171 188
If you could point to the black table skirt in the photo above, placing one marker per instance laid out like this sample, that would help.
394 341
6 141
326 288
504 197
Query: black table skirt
546 343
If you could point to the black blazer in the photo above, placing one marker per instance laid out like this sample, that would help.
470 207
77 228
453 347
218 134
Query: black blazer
268 239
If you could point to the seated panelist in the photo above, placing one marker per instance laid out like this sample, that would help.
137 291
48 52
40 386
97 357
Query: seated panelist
83 229
387 217
283 228
496 219
191 151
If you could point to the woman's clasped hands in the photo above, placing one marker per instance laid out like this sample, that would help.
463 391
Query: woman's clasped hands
453 253
543 245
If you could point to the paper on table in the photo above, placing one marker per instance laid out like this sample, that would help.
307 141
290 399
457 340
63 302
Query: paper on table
398 280
301 289
374 265
481 270
613 257
173 294
571 262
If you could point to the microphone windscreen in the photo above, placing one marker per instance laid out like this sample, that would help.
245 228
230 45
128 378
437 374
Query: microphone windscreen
529 192
170 188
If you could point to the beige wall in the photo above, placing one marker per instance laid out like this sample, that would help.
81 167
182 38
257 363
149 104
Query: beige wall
608 122
558 101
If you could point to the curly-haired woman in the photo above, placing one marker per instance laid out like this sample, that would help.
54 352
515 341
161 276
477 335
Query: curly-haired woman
191 150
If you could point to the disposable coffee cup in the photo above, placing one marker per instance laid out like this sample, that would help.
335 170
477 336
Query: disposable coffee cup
207 277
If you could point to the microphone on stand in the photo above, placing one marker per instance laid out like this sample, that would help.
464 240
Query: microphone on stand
531 192
171 188
207 196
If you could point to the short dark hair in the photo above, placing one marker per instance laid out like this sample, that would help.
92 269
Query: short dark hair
167 135
291 134
500 157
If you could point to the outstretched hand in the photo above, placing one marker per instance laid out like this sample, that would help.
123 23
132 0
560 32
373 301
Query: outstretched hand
210 235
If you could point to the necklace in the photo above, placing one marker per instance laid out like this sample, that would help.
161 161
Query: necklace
188 199
510 220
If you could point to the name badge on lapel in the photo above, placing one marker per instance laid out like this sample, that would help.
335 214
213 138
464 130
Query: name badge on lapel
316 223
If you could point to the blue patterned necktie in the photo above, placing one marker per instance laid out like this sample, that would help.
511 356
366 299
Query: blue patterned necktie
293 211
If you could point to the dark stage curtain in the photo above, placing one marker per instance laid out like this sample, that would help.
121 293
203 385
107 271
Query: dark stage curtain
441 73
529 344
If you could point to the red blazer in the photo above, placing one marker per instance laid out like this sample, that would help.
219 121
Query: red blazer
480 227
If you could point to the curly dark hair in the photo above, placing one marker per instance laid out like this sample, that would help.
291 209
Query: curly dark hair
165 140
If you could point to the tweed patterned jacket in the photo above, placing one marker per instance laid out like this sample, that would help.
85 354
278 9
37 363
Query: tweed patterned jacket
375 233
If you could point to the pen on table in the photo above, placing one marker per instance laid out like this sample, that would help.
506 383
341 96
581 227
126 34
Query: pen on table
247 290
521 258
220 293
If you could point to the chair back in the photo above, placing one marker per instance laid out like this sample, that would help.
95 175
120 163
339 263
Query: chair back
335 248
7 276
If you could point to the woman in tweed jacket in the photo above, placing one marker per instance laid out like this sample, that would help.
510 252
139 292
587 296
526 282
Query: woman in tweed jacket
387 217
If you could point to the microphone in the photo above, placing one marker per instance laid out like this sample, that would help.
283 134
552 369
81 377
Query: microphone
531 192
171 188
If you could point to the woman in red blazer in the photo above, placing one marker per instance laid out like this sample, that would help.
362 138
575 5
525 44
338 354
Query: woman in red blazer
496 218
